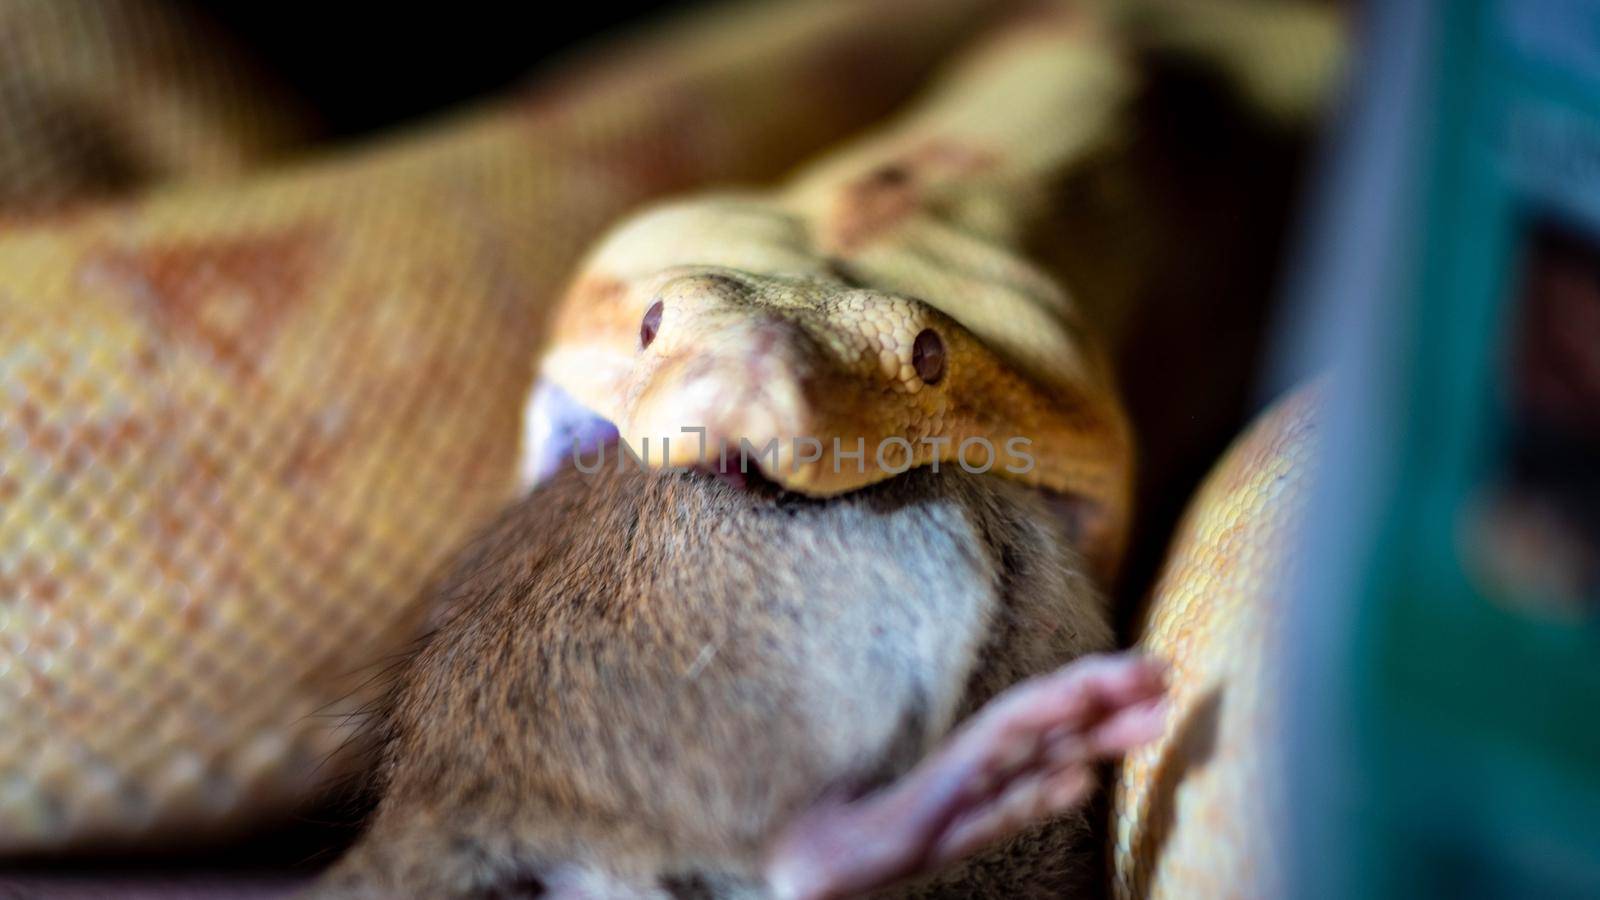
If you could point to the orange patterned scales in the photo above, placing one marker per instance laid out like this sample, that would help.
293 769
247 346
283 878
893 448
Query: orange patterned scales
1193 813
239 424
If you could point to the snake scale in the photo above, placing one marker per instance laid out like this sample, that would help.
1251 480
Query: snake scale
246 405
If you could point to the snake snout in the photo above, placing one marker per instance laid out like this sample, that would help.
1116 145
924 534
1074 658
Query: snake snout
736 382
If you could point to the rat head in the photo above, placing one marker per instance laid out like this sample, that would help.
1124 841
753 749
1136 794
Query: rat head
714 334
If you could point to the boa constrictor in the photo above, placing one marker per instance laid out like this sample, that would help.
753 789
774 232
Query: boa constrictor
244 417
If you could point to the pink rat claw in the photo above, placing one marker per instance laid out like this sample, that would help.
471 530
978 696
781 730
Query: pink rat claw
1027 756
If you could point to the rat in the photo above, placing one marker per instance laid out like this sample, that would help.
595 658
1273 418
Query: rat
649 683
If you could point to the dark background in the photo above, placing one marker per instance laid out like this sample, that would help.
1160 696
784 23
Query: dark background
363 66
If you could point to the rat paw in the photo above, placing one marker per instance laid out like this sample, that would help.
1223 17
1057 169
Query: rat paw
1026 756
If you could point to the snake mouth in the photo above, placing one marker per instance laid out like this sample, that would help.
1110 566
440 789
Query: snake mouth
746 479
737 454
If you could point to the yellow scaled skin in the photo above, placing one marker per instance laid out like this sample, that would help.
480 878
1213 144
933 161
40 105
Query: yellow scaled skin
788 319
1197 813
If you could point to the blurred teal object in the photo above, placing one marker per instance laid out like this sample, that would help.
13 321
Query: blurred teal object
1445 704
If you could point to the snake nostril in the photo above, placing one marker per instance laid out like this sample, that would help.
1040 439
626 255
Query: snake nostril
927 356
650 325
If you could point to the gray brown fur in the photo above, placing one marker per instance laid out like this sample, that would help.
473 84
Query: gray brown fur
640 677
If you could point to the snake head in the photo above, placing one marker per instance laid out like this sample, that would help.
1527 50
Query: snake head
714 335
820 386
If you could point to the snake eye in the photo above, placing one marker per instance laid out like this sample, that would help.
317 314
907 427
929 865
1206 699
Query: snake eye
650 325
927 356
